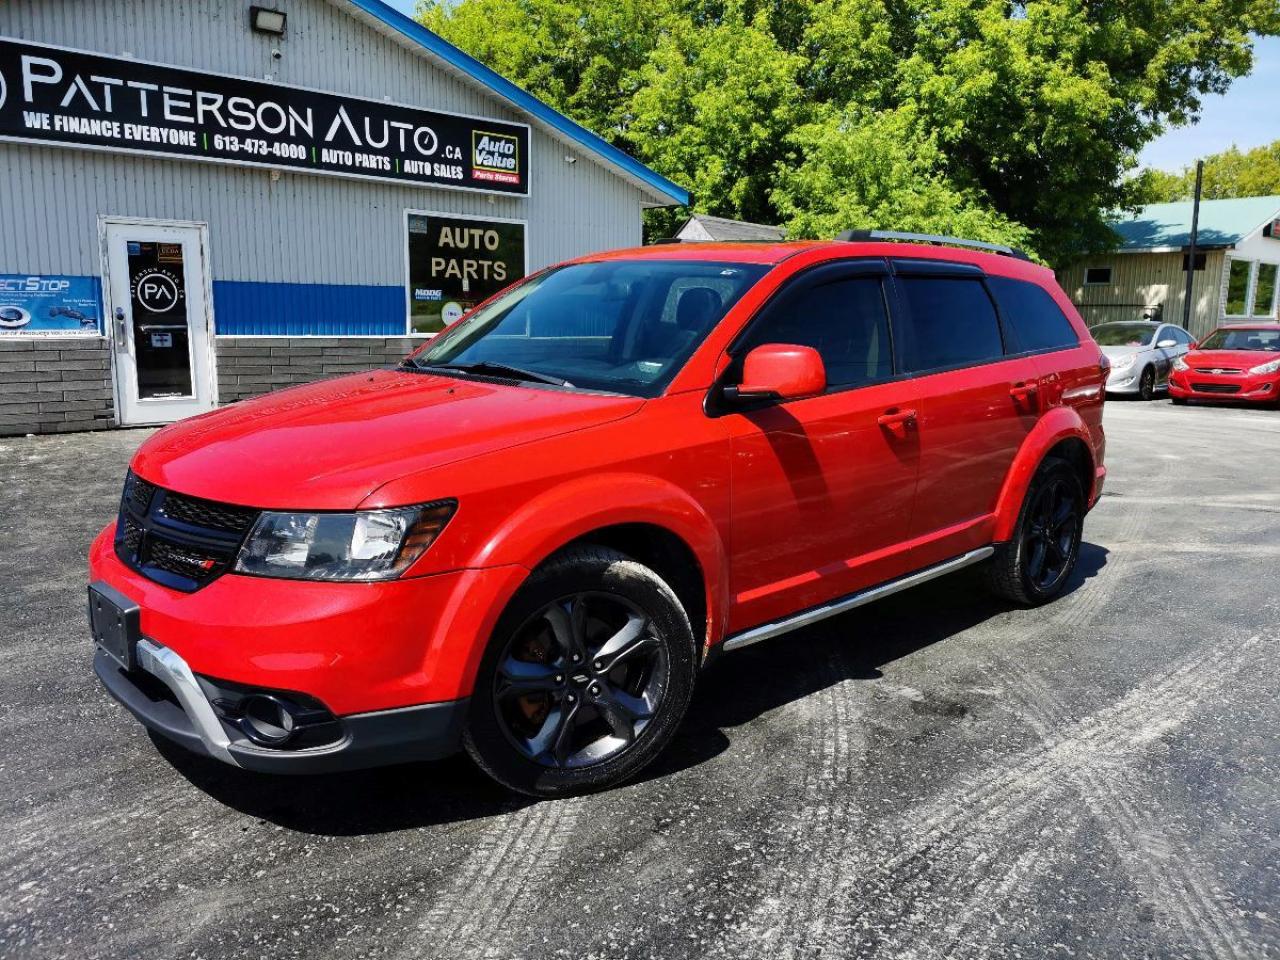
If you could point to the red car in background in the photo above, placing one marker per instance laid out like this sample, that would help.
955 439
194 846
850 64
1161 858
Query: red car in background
527 539
1236 363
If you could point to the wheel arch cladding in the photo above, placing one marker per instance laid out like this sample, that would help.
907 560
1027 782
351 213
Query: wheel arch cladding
650 519
1060 433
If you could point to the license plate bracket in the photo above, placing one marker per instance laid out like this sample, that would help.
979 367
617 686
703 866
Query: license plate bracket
114 620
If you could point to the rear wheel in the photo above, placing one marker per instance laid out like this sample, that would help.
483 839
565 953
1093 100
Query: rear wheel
1036 564
1147 383
587 676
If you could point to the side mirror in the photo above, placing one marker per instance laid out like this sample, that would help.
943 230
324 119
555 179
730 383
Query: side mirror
780 371
1167 344
1193 344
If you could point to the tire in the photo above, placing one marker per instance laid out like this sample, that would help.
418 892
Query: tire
1035 566
1147 383
545 725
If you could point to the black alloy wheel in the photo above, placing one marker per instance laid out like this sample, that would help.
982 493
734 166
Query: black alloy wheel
1147 383
580 680
588 674
1049 538
1035 566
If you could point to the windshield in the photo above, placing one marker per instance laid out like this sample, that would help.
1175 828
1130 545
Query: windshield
1243 338
1123 334
623 326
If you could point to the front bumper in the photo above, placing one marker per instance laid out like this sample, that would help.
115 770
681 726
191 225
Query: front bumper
186 717
1124 381
1194 384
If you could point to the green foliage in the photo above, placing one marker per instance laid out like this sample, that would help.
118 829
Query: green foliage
992 117
1231 173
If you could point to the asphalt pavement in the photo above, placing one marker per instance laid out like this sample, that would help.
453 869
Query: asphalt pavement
932 776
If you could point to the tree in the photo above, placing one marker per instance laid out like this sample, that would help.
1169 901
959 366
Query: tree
863 169
1031 113
1231 173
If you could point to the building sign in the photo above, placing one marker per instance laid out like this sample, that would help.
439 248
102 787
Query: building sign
52 95
49 306
456 262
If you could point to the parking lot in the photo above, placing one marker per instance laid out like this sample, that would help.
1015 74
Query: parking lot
931 776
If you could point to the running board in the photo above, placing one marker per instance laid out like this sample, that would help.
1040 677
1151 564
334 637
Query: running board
836 607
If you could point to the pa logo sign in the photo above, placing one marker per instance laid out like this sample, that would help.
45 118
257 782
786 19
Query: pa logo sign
157 291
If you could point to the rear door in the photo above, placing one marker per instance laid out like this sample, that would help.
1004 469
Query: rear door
978 400
821 488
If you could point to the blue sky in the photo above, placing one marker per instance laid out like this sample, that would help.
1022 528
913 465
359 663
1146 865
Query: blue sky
1247 115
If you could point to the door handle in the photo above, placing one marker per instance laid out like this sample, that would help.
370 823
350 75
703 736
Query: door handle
120 330
894 417
1023 391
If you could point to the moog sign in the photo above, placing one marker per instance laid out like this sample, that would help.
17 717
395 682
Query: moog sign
75 98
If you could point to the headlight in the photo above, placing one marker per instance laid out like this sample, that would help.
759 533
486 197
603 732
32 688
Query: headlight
365 545
1271 367
1180 364
1120 364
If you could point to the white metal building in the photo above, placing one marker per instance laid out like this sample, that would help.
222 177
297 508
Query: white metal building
204 200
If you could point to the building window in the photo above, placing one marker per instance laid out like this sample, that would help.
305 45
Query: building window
1238 288
1097 276
1200 261
456 262
1264 290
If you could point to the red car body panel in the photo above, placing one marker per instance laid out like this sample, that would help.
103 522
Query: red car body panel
755 499
1199 380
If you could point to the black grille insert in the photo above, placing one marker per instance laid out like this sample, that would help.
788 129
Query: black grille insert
180 541
1216 387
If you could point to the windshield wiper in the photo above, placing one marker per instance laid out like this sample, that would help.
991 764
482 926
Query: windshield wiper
484 367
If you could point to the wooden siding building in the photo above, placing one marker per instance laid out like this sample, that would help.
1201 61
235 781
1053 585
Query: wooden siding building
1237 269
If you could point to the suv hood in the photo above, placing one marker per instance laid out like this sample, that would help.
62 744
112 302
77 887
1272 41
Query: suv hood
328 445
1231 359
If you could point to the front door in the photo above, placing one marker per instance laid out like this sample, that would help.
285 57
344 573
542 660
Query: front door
822 488
158 314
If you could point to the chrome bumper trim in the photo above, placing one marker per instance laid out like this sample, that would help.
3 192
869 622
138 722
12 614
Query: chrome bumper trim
816 614
171 670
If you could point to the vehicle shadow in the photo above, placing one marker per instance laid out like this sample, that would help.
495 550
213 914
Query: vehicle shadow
854 646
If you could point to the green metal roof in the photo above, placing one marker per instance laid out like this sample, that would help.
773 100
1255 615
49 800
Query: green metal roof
1223 223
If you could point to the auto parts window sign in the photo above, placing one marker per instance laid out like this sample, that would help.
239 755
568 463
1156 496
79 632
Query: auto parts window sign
73 98
457 262
49 306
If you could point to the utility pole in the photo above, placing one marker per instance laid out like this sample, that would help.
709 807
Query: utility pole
1191 250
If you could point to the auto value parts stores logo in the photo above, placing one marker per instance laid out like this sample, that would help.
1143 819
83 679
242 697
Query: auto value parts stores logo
77 98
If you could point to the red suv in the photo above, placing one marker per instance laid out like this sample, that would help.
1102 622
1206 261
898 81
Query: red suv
527 539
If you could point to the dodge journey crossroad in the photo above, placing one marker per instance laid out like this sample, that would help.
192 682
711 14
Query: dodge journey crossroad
527 539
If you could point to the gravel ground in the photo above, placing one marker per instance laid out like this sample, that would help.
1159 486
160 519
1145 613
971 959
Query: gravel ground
931 776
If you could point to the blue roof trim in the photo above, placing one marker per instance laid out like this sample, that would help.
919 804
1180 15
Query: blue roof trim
524 100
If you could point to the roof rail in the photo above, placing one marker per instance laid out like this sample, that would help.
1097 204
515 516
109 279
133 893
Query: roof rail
865 235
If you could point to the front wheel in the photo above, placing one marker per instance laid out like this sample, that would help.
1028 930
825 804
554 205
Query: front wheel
1147 383
586 678
1036 564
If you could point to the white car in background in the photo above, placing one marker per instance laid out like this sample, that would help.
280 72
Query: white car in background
1141 354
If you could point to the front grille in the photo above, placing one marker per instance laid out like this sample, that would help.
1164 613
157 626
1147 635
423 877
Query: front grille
1230 370
180 541
1216 387
206 513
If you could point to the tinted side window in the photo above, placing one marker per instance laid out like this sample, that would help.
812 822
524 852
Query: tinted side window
845 320
953 322
1037 321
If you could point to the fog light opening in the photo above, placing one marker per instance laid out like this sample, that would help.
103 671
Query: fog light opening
268 721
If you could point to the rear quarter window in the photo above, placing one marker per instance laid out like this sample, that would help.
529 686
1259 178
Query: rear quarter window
1035 320
953 323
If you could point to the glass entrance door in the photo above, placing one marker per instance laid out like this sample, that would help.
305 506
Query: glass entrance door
160 321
